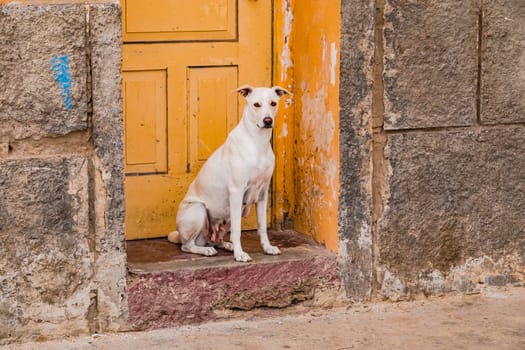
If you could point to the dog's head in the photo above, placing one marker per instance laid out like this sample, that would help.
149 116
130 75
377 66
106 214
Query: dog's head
262 103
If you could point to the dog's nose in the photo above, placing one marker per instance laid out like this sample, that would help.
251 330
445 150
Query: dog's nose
268 121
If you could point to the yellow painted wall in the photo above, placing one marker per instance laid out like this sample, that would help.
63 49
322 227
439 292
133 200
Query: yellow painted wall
283 139
316 128
48 2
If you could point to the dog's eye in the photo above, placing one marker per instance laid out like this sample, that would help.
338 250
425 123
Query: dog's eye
273 103
257 104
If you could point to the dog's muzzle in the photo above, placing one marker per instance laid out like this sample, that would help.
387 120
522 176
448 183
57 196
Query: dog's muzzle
267 122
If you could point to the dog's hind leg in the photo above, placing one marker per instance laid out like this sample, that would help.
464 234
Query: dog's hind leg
193 227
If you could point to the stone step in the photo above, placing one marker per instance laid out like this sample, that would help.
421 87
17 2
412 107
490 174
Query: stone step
167 287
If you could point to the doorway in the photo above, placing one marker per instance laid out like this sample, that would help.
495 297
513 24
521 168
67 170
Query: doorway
162 280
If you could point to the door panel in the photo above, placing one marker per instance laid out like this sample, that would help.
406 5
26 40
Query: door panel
179 20
193 84
212 110
144 94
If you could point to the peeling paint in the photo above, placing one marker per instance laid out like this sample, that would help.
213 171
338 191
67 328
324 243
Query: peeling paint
317 162
474 275
319 123
364 239
432 283
324 48
392 287
316 168
333 62
342 253
286 60
331 173
284 131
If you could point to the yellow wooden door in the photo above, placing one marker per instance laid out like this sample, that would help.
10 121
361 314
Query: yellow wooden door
182 61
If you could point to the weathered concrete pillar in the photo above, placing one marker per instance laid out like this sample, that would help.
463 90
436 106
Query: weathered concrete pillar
110 263
355 236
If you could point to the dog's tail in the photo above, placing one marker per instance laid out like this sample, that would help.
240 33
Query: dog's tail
174 237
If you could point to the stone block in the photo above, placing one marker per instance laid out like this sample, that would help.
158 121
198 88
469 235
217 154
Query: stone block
45 265
108 130
357 51
193 291
106 41
430 63
503 62
456 201
43 69
106 45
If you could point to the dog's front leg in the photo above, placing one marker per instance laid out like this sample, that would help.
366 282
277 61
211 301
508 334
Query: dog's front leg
261 226
235 222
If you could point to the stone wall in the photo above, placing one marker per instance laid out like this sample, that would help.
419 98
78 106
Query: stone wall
433 182
62 267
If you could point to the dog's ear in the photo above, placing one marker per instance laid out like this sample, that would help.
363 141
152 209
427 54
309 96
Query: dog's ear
245 90
281 91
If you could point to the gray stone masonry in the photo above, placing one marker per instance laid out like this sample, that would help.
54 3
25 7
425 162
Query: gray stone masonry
355 243
432 164
108 131
46 260
62 267
43 70
457 199
503 62
430 63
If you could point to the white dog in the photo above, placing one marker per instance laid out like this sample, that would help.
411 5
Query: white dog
236 176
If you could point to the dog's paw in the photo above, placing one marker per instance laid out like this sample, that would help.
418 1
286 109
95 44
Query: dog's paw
209 251
242 257
272 250
226 246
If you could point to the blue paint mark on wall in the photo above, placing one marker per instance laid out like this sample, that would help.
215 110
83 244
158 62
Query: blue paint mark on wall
62 74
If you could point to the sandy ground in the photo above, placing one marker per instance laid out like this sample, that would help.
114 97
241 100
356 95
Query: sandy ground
492 320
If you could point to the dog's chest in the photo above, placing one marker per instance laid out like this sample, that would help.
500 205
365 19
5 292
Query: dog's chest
254 192
258 181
